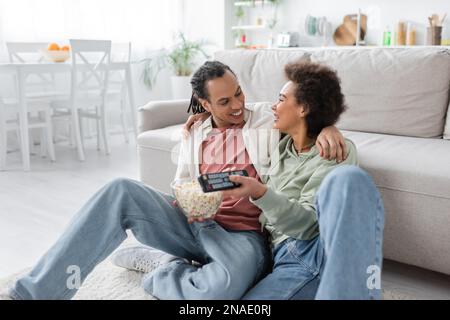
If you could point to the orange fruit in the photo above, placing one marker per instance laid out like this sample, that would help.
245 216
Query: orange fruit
53 47
65 48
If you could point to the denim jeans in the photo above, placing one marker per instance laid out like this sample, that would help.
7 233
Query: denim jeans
345 260
232 261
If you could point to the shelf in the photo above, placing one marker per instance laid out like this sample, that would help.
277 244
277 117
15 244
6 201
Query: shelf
249 27
250 3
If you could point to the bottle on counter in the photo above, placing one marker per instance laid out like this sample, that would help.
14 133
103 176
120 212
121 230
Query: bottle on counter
410 35
387 37
401 34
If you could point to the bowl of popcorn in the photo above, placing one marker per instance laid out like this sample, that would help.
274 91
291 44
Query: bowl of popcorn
193 201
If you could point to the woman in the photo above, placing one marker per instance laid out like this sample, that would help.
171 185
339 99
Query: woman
325 219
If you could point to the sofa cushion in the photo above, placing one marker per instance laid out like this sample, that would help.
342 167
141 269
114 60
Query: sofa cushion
165 139
407 164
158 156
413 176
260 72
392 90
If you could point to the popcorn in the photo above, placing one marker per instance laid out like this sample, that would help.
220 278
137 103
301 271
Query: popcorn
193 201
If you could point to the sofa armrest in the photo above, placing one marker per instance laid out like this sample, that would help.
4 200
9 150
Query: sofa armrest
160 114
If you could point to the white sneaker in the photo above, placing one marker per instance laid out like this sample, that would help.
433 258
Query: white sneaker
141 258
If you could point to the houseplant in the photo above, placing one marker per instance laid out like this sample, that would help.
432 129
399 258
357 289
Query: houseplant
181 59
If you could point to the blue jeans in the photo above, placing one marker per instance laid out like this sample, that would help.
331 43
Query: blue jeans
345 260
232 261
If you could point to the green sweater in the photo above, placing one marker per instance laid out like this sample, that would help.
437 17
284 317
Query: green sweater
289 204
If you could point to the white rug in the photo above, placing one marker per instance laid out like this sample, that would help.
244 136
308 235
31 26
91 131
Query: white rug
108 282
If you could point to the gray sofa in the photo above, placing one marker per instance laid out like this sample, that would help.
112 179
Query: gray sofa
397 117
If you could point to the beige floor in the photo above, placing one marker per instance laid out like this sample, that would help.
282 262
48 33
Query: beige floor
36 206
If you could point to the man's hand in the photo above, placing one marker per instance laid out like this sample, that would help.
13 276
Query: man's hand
250 187
331 144
193 119
192 219
195 219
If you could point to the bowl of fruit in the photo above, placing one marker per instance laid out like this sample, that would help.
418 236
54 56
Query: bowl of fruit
193 201
55 53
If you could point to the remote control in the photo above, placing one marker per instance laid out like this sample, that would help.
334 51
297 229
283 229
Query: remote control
211 182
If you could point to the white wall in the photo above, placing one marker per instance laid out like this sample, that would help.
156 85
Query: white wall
205 19
201 20
381 13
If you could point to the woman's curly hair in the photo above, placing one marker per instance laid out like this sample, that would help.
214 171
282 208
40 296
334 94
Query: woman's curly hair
318 89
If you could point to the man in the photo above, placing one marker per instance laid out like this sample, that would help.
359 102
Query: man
231 249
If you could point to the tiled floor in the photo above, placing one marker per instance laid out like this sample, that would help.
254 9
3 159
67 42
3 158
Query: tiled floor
36 206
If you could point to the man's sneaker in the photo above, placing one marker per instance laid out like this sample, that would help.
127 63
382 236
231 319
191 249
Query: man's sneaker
140 258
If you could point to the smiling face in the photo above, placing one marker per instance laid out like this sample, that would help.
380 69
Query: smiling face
289 115
226 101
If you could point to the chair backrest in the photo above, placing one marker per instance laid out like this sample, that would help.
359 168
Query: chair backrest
90 65
25 51
30 52
120 52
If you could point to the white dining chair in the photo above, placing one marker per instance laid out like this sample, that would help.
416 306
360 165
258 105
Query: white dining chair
117 93
89 82
117 86
40 86
9 121
40 89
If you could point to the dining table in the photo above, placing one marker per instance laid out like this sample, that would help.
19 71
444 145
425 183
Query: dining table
22 70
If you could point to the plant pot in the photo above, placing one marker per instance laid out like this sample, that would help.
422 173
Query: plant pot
181 87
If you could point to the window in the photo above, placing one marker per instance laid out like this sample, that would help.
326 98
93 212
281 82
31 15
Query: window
148 24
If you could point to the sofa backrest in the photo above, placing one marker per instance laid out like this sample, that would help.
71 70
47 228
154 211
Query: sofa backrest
401 91
260 72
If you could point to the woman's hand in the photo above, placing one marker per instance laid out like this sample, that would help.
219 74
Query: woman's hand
331 144
193 119
250 187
